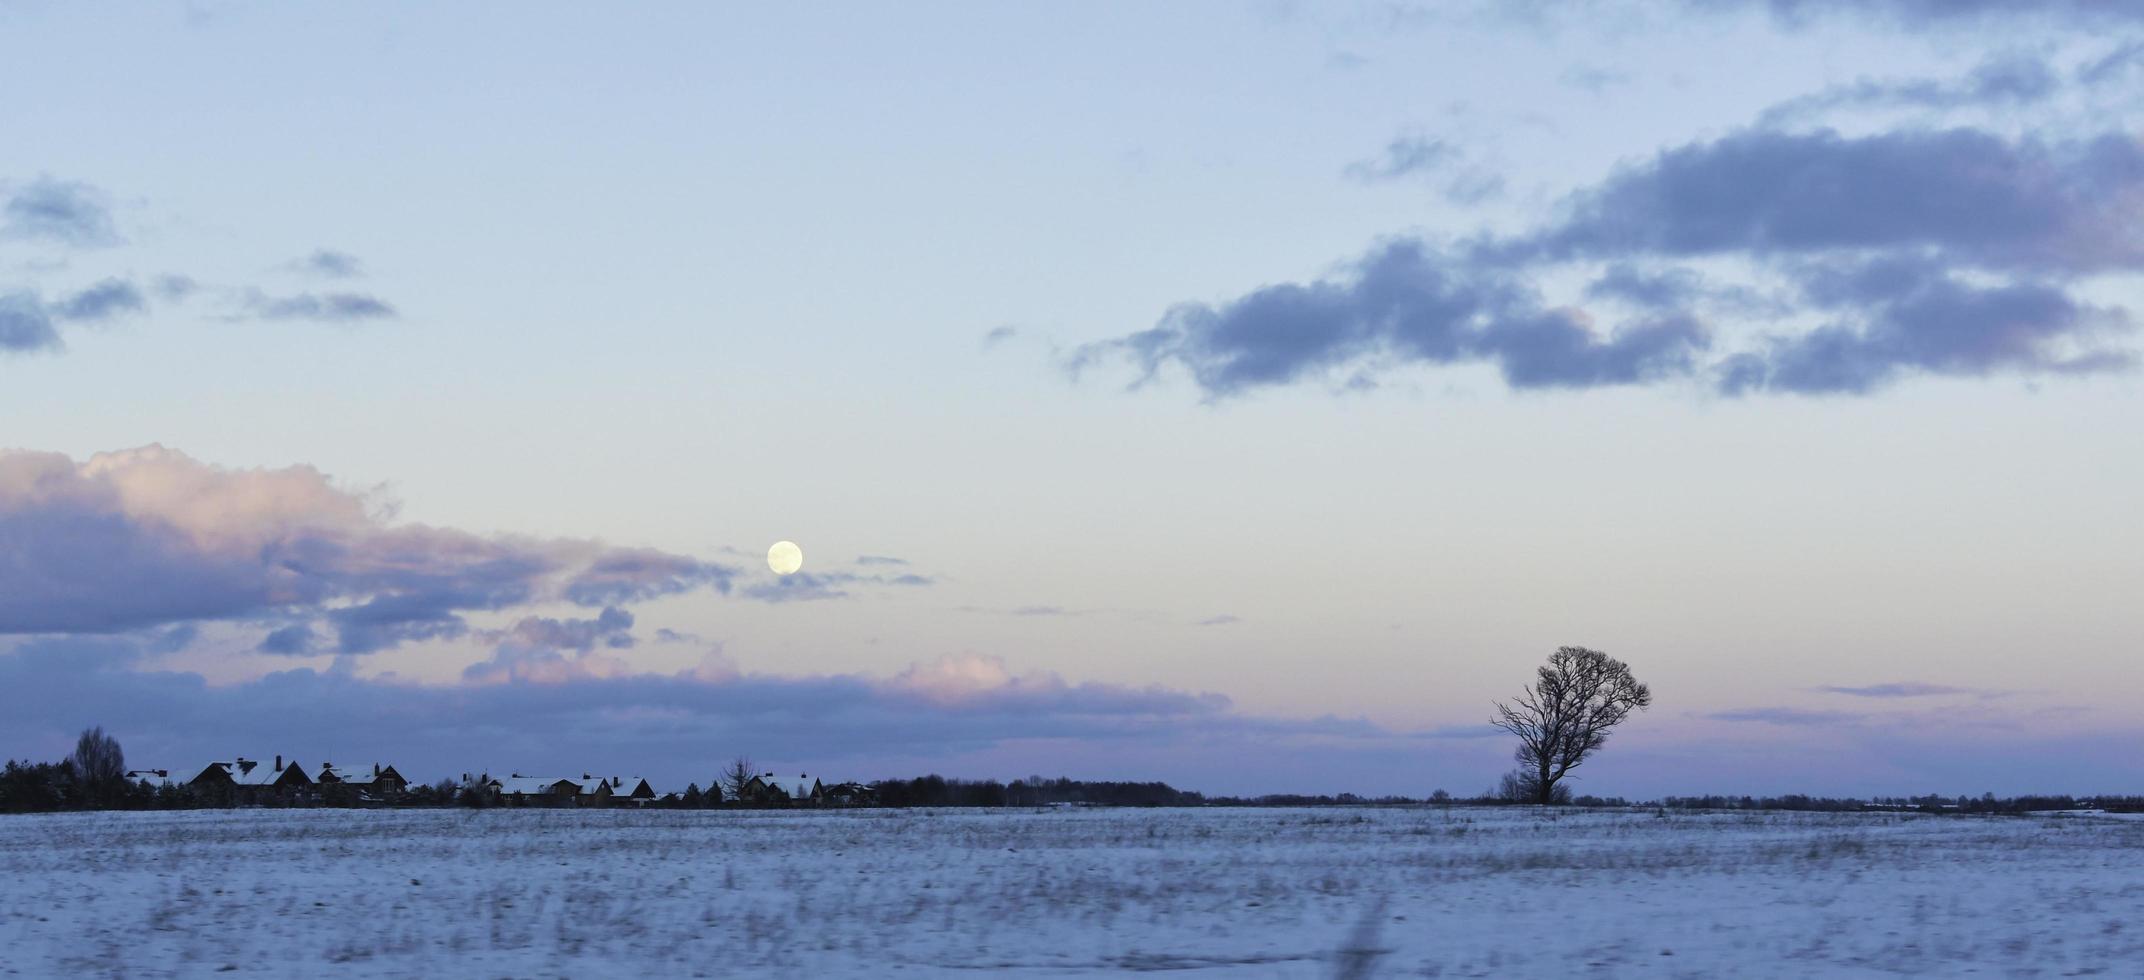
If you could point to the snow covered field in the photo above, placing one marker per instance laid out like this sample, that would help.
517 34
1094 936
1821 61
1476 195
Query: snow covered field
1221 892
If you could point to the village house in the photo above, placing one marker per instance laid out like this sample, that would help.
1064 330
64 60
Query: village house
768 788
850 794
156 778
633 790
251 782
381 785
520 790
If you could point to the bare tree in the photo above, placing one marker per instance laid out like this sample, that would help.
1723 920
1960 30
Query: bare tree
1566 714
99 765
735 777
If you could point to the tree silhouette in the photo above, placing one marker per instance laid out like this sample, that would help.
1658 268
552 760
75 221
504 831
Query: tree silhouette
99 765
733 779
1566 713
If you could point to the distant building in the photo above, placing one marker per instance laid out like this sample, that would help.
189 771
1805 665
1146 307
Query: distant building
156 778
799 789
850 794
520 790
250 782
633 789
381 785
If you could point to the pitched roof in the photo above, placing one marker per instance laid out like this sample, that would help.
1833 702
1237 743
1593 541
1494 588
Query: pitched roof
534 785
253 772
797 787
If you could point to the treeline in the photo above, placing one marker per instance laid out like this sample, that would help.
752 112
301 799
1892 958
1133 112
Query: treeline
1985 803
935 790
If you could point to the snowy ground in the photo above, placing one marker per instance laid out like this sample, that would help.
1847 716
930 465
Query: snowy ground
1250 893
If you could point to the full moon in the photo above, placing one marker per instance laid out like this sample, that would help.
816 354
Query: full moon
785 557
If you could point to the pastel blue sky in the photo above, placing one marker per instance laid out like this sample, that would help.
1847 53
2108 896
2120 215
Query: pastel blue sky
1239 395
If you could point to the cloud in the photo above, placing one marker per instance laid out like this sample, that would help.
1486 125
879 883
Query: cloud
1787 716
1405 301
28 323
330 264
102 301
534 707
1947 252
2113 65
1925 13
25 324
2008 80
58 212
149 537
1405 156
322 307
814 586
612 629
1225 619
1416 156
1911 316
1978 198
1904 689
998 335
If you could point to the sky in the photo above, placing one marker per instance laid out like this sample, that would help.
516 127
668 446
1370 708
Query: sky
1243 395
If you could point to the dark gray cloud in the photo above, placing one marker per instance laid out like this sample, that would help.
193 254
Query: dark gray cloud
1958 247
2009 80
330 264
150 537
323 307
1903 689
58 212
1225 619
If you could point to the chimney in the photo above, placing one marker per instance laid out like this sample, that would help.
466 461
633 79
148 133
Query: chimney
279 762
375 768
615 781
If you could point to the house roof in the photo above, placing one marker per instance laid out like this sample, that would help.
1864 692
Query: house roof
254 772
797 787
358 777
533 785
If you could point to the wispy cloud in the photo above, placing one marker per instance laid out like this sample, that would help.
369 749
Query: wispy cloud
319 307
328 263
1787 716
58 212
29 323
2007 80
1903 689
